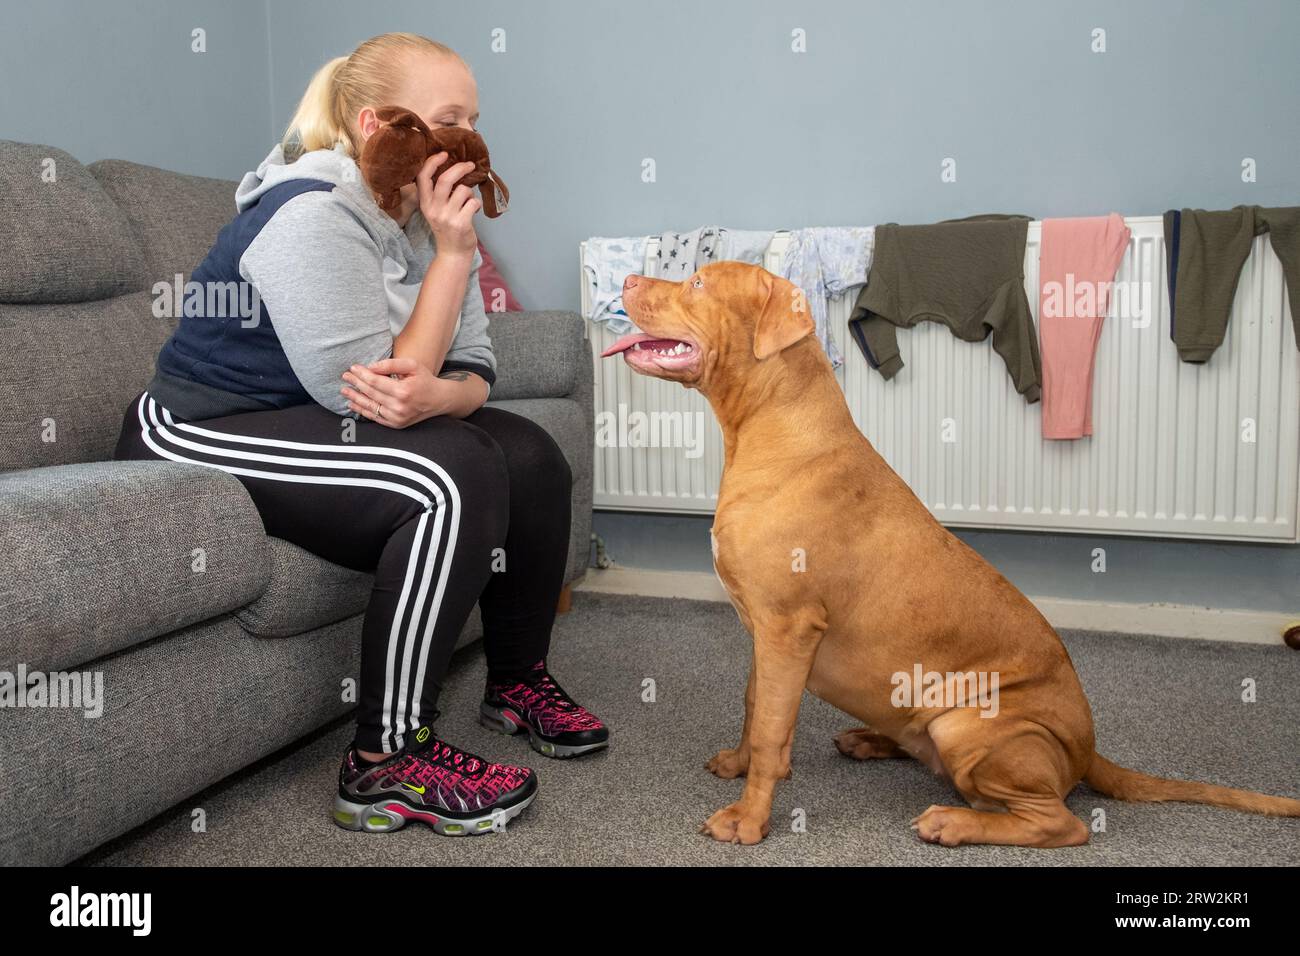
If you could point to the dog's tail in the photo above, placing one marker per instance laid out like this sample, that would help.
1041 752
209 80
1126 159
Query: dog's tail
1124 784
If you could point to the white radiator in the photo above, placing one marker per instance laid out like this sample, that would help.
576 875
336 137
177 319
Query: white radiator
1171 454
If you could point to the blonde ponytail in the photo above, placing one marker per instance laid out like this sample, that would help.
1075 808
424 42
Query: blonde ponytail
316 124
340 89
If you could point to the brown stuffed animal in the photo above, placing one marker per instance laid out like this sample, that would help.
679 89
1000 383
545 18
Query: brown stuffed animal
395 152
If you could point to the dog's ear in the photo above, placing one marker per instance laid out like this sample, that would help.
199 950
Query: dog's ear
784 318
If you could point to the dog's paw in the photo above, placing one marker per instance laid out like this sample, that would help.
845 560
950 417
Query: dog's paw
948 826
863 743
729 764
733 825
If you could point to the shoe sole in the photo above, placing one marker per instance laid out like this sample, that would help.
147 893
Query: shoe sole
505 721
387 816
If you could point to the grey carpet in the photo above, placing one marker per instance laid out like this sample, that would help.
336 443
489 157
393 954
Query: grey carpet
1169 707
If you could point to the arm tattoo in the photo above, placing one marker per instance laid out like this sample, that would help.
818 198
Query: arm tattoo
457 375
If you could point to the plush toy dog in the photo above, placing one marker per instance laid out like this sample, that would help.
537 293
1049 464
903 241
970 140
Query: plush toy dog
395 152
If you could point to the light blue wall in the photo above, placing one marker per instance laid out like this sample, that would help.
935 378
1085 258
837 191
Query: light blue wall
748 134
744 132
118 80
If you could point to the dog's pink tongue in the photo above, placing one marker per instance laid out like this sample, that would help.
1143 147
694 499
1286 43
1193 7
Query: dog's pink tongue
625 343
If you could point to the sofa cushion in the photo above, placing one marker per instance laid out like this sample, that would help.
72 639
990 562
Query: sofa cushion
178 715
175 217
538 353
307 592
561 417
304 592
64 239
98 557
68 373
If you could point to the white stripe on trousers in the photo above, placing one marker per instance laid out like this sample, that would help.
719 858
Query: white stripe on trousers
394 729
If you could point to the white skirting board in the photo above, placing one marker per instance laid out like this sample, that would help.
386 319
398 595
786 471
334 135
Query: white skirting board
1162 620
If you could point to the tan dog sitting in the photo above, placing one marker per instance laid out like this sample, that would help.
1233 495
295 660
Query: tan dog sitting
846 581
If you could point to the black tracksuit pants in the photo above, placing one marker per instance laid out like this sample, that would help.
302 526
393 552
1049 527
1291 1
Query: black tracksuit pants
444 513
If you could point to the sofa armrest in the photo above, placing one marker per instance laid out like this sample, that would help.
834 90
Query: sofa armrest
546 355
98 557
539 354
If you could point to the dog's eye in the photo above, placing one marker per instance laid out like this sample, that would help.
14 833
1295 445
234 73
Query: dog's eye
698 283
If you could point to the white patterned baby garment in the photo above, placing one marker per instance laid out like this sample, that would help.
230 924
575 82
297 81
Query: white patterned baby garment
606 263
827 261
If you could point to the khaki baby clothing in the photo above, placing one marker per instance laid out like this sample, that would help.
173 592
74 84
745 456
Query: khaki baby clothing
967 274
1205 252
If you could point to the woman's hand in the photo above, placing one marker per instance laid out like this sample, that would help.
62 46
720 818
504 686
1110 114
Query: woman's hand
448 206
395 392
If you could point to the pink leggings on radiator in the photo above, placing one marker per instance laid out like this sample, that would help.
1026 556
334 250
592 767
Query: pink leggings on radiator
1077 263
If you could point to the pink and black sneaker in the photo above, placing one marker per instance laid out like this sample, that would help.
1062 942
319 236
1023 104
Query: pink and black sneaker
556 725
430 781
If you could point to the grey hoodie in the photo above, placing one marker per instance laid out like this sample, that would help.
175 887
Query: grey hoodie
337 279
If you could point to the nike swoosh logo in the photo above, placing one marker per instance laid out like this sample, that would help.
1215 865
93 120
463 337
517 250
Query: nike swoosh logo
408 786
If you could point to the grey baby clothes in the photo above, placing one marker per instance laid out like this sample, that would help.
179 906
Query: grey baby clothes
681 253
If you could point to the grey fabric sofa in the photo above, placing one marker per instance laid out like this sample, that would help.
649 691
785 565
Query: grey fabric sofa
216 644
